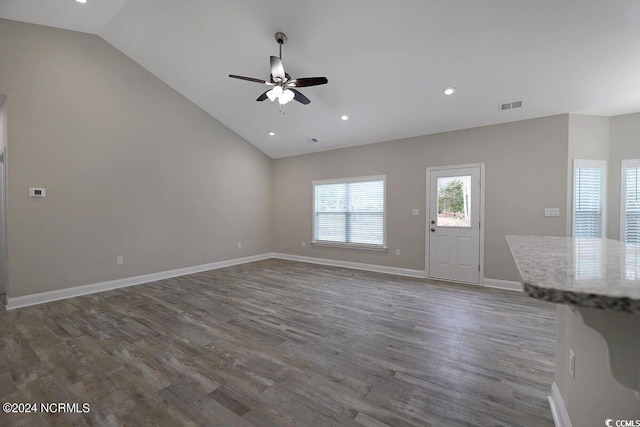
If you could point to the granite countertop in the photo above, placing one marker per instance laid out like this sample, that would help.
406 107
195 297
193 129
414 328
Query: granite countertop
587 272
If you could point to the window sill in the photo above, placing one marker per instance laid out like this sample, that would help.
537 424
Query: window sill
350 246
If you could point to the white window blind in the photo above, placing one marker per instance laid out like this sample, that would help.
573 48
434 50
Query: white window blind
630 201
587 259
589 198
350 212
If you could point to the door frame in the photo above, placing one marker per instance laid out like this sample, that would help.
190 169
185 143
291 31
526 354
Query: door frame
427 234
3 225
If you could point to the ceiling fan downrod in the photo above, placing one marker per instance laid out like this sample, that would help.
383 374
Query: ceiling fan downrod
281 38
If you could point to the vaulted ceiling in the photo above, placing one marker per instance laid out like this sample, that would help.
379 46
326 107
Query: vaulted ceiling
388 63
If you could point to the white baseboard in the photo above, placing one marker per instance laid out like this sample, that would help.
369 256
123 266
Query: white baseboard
502 284
40 298
558 410
27 300
354 265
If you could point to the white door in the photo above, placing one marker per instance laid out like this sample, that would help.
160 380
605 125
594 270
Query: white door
454 224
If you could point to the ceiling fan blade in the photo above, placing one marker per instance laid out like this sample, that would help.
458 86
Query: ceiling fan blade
249 79
277 69
263 96
308 81
300 97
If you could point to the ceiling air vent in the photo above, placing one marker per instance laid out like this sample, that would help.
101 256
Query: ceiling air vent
312 140
510 105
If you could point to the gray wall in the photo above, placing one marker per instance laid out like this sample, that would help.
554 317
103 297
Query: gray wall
526 166
130 167
624 143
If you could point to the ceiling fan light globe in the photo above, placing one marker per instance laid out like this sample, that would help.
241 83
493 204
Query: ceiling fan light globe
277 91
287 96
271 95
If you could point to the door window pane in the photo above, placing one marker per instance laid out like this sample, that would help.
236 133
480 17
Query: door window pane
454 201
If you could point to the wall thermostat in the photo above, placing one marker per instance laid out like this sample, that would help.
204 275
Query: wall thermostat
36 192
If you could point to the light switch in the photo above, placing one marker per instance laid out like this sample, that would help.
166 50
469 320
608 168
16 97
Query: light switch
551 211
415 212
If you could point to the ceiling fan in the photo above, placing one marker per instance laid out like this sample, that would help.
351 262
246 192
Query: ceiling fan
283 85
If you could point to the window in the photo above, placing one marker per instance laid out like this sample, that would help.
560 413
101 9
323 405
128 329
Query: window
630 201
350 212
454 202
589 199
587 260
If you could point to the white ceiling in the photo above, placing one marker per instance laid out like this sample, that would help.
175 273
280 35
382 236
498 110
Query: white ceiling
91 17
387 62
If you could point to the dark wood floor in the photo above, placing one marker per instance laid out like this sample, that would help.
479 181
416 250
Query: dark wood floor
279 343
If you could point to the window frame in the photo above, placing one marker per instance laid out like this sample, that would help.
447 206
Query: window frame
624 164
598 164
349 180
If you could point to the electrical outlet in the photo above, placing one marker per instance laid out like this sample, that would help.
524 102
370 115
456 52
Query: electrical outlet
120 260
415 212
239 245
572 363
303 243
397 252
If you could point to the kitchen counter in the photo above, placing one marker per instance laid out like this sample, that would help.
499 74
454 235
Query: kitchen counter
596 283
585 272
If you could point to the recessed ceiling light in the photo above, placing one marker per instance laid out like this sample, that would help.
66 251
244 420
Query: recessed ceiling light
81 1
344 117
272 133
449 90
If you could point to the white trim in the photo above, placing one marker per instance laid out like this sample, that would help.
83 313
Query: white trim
4 261
427 234
353 265
482 185
59 294
349 245
502 284
624 164
558 410
350 179
465 166
591 164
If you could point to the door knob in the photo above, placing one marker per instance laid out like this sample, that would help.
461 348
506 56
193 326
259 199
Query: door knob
433 229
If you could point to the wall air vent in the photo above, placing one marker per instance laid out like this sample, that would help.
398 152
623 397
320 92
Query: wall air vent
312 140
510 105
